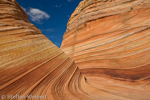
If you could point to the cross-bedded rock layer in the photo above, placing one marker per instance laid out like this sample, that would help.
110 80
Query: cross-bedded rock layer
109 40
32 66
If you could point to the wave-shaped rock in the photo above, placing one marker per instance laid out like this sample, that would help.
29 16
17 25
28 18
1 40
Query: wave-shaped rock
32 67
109 41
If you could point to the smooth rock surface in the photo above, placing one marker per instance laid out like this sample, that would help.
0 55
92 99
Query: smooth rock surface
109 40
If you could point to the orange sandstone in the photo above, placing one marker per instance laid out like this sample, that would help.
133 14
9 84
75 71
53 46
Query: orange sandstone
109 40
31 65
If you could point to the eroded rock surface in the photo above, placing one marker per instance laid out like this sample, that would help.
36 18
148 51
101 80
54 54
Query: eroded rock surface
31 65
109 40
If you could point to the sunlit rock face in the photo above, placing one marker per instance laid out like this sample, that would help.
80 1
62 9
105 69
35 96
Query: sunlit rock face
109 40
33 68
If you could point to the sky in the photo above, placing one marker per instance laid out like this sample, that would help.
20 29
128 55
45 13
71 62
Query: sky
50 16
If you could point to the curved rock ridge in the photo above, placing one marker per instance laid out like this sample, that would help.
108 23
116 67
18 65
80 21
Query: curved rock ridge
32 67
109 40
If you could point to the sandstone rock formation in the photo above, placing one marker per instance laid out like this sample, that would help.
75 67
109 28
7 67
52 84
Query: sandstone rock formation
32 66
109 40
